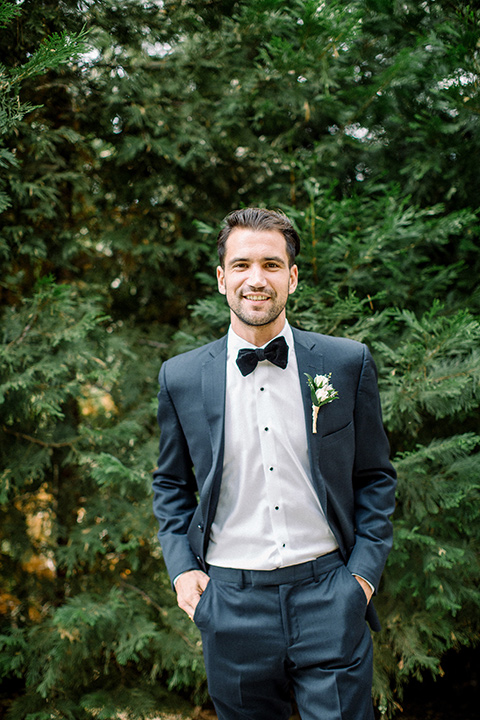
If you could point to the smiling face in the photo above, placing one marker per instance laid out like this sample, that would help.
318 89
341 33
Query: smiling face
257 281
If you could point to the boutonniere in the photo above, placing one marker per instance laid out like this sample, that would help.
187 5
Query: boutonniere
322 392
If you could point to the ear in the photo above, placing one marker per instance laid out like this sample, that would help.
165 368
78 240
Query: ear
221 280
293 279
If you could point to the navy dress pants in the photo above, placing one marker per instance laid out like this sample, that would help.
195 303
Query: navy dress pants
303 628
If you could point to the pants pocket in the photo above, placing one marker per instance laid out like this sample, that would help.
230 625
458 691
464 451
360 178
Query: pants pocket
358 594
200 613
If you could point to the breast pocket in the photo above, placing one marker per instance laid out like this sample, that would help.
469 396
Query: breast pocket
344 434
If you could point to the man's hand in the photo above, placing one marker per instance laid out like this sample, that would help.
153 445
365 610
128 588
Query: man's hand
190 586
365 587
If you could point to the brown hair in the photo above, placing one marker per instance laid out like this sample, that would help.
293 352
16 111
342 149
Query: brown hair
259 219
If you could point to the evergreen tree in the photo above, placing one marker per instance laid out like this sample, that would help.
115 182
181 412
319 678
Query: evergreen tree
360 120
88 620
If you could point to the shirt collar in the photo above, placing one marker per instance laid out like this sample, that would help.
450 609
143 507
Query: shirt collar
235 342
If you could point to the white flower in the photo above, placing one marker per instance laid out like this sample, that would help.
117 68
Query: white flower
322 392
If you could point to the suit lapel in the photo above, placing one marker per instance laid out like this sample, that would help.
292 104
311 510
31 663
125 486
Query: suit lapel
310 360
213 396
213 390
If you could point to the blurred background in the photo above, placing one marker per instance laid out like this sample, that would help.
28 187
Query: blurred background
128 130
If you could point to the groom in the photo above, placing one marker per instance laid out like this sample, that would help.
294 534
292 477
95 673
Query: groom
274 531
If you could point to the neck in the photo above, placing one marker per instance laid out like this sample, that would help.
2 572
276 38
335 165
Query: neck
258 335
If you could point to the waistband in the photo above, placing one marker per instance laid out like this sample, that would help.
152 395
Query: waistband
293 573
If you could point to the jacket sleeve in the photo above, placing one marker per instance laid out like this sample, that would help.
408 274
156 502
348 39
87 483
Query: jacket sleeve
374 480
174 486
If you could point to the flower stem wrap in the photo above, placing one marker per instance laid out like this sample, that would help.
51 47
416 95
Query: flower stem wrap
322 393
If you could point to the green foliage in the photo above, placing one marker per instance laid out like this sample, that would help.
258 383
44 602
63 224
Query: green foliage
127 131
80 561
88 646
54 51
436 372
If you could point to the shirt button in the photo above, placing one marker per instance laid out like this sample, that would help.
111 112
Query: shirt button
276 507
266 429
262 389
270 468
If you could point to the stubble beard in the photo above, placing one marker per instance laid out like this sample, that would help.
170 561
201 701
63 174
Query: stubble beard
264 319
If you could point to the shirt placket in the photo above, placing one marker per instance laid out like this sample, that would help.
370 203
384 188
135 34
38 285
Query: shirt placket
268 429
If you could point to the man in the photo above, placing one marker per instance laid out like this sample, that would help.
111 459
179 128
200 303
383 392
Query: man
278 559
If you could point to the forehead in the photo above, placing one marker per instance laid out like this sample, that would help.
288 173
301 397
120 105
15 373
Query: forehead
251 244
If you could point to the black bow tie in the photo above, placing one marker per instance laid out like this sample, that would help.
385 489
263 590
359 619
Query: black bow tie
276 352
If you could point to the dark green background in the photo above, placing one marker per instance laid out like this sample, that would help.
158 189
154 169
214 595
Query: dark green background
128 130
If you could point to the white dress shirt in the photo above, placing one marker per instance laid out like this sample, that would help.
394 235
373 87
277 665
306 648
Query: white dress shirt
268 513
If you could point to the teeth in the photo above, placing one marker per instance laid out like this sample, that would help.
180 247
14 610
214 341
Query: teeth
256 297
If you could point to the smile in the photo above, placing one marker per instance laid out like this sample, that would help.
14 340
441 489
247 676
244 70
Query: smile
256 297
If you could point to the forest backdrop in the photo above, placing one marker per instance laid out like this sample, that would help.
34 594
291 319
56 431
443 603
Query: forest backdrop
128 130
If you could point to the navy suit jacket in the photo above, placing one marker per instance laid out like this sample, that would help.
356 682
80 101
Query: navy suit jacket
349 454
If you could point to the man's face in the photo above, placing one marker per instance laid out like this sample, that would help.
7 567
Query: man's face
256 279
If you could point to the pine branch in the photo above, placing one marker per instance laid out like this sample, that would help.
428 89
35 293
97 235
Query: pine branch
24 333
157 607
43 443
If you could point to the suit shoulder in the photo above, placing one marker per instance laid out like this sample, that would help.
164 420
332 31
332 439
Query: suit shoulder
331 343
191 360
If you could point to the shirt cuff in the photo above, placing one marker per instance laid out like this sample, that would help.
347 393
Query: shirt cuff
372 588
178 576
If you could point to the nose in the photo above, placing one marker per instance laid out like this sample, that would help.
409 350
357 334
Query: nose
256 277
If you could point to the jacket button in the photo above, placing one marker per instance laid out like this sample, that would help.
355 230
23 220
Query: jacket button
200 527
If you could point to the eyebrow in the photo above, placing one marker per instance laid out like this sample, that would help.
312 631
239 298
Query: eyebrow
275 258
